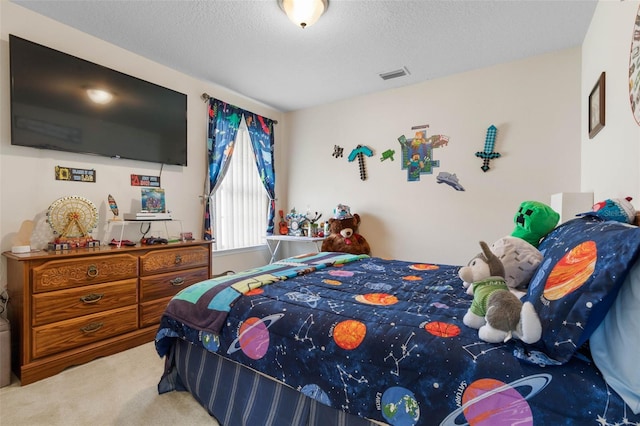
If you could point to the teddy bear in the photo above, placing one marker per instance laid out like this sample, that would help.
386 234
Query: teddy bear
496 312
343 233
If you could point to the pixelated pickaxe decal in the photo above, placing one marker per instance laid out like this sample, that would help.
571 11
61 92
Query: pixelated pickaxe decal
488 154
360 151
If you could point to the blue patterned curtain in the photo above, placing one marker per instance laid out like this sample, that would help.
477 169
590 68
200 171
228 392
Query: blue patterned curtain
224 120
262 140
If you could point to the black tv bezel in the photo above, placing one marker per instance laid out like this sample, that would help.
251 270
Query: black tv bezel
86 149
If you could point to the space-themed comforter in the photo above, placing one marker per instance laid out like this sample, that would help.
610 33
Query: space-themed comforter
384 339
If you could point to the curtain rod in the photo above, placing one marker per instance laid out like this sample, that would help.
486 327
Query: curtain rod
205 98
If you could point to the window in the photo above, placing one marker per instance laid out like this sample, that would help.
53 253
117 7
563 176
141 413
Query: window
241 202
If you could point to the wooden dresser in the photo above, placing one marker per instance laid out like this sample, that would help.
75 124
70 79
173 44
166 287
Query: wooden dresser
67 308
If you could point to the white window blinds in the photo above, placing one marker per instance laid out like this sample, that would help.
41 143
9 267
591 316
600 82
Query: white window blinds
241 201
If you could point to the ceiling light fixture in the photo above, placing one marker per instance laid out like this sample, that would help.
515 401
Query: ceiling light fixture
99 96
304 13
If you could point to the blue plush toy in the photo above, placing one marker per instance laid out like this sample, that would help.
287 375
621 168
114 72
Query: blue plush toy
618 209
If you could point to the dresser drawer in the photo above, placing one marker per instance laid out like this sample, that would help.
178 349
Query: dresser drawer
60 336
158 261
60 274
64 304
168 284
151 312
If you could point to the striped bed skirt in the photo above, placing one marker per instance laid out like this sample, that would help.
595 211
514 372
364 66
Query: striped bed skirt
237 395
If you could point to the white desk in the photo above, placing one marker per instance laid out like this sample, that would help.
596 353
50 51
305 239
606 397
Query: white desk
290 238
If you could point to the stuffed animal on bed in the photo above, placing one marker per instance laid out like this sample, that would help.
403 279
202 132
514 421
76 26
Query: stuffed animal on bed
520 261
496 312
518 252
534 220
618 209
343 233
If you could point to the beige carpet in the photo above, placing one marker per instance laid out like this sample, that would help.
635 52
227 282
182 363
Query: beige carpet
120 389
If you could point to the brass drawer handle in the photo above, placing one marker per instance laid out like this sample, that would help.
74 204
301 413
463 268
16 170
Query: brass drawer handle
92 271
92 328
177 281
178 259
91 298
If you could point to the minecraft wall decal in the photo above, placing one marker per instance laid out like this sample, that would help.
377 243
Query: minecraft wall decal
388 154
417 152
488 154
359 152
450 179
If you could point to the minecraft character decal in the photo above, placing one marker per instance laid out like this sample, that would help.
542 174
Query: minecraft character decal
417 153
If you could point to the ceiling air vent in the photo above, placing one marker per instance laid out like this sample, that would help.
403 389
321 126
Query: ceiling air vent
395 74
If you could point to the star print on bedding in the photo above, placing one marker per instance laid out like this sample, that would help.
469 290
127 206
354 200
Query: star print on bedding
585 262
205 305
384 339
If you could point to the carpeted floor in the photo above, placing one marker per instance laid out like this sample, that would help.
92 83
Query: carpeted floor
120 389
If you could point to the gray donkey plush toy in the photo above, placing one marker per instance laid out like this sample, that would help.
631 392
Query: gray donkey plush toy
496 312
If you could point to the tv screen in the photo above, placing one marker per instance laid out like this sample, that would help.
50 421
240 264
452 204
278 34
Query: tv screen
52 108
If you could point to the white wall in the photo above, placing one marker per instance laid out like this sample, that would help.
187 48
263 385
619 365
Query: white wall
535 103
611 160
538 105
27 184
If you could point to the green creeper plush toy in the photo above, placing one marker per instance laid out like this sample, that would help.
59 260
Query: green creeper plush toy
534 220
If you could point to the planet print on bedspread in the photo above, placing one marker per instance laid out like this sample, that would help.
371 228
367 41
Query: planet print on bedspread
379 299
349 334
491 402
424 267
400 407
442 329
315 392
253 336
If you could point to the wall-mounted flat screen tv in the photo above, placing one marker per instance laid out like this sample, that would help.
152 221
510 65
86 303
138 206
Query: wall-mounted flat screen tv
65 103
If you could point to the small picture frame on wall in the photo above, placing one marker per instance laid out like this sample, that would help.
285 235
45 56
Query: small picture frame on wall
596 107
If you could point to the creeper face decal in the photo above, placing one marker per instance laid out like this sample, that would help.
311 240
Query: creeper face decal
417 153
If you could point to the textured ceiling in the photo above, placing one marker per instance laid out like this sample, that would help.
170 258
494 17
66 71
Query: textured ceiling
251 47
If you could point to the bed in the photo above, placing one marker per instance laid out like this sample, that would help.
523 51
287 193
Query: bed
332 338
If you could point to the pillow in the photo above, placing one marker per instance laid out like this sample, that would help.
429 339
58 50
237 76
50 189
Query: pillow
519 258
614 344
585 262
